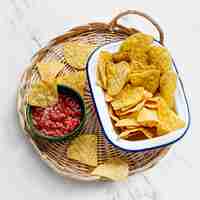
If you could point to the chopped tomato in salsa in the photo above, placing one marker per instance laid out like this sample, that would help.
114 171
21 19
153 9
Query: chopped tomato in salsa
59 119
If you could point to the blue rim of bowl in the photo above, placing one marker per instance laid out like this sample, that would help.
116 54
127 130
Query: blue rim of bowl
94 102
36 133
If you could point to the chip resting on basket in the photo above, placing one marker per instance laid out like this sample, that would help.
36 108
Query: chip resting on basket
48 71
76 54
104 59
117 76
75 80
168 119
84 149
114 169
43 94
160 57
148 79
129 97
168 87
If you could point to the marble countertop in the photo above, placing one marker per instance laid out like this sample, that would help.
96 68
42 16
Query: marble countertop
27 25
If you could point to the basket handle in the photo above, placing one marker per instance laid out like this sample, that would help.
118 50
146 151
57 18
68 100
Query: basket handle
114 23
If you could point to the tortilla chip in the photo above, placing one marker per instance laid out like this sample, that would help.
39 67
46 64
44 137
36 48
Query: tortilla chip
98 79
140 55
117 76
148 133
114 169
108 98
136 66
147 95
160 57
151 105
76 54
84 149
112 115
43 94
130 115
130 96
148 117
120 56
75 80
103 60
148 79
168 87
136 108
152 102
127 122
137 40
48 71
168 119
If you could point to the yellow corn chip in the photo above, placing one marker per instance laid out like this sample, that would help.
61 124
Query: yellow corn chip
130 96
112 115
114 169
140 55
147 95
76 54
104 58
75 80
117 76
136 66
148 133
168 119
136 108
126 122
168 87
43 94
130 115
151 105
152 102
138 40
48 71
127 133
84 149
148 79
120 56
160 57
148 117
108 98
98 79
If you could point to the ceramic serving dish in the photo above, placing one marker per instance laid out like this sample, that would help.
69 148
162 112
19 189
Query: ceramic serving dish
104 118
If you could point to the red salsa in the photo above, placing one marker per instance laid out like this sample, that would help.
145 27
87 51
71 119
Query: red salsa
59 119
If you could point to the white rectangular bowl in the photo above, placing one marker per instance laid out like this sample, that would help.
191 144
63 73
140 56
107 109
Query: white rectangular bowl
104 118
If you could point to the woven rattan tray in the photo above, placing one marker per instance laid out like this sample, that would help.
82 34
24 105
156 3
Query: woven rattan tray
54 153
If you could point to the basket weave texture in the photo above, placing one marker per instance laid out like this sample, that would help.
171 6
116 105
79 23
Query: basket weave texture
55 153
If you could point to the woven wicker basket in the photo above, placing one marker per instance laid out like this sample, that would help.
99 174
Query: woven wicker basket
55 153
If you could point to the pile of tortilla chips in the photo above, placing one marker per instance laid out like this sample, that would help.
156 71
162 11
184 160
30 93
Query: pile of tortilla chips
84 150
139 87
44 93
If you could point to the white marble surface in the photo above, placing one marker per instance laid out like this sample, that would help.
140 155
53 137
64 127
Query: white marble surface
28 24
